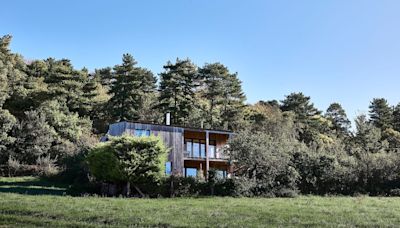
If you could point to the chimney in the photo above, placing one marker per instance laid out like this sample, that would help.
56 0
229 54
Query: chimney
168 118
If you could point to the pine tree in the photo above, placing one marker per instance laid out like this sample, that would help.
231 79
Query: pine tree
232 104
300 105
34 138
381 115
396 118
307 117
337 115
65 83
129 88
177 88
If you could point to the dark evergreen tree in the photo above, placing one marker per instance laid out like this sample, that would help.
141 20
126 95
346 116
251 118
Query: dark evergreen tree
381 114
177 88
130 85
300 105
65 83
396 118
307 116
223 93
337 115
34 138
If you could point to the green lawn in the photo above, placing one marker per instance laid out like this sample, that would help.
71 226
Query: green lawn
27 202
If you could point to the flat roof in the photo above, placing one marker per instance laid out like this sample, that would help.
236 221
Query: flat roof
183 127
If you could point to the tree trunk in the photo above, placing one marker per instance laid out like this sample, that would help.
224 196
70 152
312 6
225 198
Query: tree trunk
128 189
139 191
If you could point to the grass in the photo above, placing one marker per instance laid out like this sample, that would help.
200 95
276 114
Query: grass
47 209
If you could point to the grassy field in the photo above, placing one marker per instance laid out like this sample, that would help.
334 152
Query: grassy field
29 202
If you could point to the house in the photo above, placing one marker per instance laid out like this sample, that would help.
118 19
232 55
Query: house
193 151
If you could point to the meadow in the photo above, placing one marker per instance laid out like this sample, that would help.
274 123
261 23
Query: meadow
30 202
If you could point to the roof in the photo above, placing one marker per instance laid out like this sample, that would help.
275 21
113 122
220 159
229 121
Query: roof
182 127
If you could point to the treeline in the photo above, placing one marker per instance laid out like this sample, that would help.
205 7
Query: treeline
50 111
51 114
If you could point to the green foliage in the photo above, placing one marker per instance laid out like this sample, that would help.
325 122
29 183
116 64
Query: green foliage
34 138
223 95
127 158
129 88
104 164
264 160
337 115
380 113
177 88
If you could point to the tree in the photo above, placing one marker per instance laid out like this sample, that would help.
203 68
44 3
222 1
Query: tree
12 77
7 123
300 105
34 138
4 68
381 114
268 118
177 88
396 118
368 137
224 95
65 84
265 162
337 115
129 159
129 88
309 122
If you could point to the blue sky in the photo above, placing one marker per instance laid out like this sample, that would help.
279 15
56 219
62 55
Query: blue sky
345 51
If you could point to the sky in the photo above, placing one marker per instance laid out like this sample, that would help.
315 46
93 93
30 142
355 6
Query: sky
345 51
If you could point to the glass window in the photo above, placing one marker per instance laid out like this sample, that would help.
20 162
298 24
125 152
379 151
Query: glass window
212 148
191 172
189 146
202 149
142 132
221 174
196 148
212 151
168 168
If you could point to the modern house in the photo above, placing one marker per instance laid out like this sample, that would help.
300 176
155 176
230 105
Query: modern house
192 150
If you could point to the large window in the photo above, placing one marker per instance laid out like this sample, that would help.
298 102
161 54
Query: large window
213 148
196 148
190 172
142 132
168 168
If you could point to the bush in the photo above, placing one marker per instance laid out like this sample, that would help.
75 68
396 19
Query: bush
14 166
129 159
46 166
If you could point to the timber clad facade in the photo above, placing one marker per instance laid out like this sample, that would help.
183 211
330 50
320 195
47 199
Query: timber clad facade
192 150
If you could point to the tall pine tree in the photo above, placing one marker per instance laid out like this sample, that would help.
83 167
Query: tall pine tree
130 85
177 88
340 123
381 114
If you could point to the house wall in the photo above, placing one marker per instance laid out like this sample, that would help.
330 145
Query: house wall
171 136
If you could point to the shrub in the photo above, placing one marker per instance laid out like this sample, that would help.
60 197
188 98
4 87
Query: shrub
46 166
14 166
129 159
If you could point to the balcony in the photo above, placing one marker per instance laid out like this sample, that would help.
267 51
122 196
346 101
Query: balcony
218 155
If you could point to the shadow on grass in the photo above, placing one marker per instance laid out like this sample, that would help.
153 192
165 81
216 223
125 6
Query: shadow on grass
33 187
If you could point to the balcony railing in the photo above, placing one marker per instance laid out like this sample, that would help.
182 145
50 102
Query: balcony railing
218 155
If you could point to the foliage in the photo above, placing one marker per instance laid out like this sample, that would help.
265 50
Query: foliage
178 83
265 161
128 159
130 86
46 166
